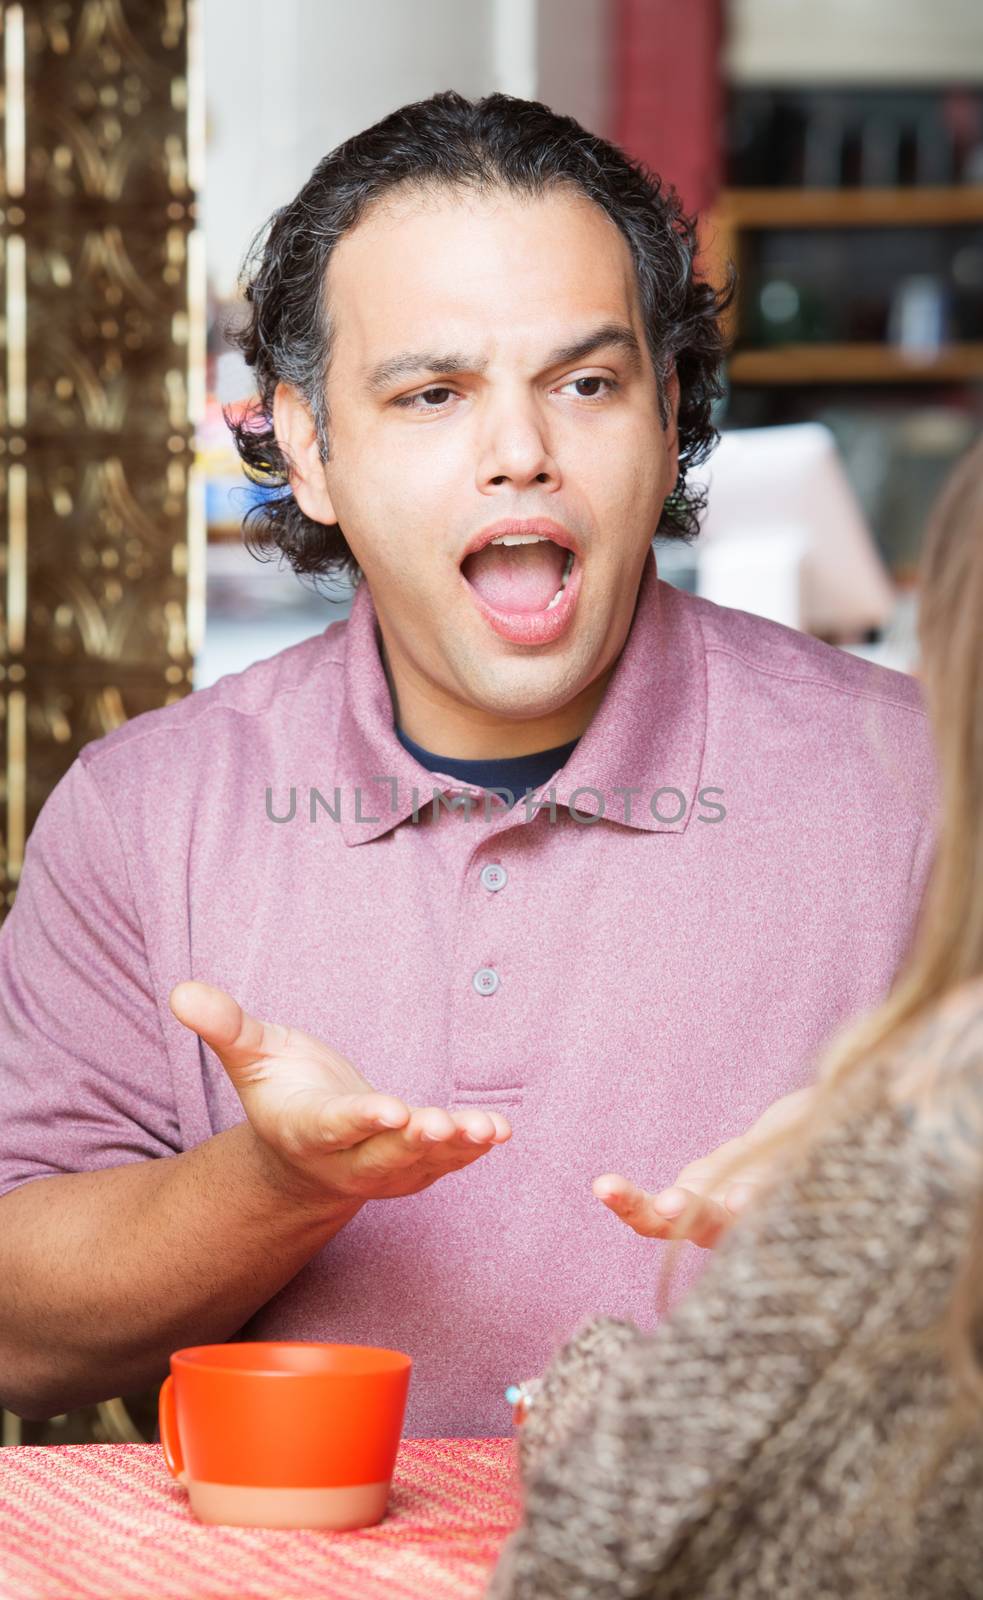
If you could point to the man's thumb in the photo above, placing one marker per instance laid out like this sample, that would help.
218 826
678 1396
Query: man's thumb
237 1038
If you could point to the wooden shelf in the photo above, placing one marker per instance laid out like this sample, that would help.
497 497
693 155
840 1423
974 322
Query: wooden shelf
740 212
848 208
854 363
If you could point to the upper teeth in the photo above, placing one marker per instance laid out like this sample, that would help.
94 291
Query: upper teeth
521 538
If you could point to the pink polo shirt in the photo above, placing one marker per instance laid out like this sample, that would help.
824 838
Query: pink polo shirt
630 988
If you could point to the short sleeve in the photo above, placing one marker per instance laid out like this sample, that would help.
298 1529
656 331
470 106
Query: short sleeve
85 1081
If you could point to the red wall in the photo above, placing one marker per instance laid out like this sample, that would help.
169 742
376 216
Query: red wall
668 94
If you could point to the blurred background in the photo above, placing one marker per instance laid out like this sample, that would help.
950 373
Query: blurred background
834 153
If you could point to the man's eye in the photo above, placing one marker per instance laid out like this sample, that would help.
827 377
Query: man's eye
430 399
592 388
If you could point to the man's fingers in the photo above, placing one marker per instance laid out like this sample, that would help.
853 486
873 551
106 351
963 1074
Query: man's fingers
347 1118
430 1125
448 1139
344 1120
481 1127
431 1143
503 1129
473 1127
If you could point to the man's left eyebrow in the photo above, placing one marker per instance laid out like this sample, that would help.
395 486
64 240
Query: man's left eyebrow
615 334
412 363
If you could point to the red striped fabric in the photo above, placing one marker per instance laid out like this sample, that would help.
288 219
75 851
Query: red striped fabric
104 1521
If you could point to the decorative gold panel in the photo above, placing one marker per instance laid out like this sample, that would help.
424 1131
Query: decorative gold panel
106 330
101 380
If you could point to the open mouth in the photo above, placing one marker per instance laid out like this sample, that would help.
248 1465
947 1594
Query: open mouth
521 573
525 585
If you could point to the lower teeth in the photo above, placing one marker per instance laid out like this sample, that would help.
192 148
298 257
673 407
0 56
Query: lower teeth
563 583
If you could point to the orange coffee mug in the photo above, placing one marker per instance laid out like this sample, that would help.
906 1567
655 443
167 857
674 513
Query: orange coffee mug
285 1434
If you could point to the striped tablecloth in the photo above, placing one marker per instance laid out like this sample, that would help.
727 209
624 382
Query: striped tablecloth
103 1521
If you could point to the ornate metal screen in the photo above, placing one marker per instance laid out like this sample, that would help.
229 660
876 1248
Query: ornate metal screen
102 373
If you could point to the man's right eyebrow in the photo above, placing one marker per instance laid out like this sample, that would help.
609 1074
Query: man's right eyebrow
413 363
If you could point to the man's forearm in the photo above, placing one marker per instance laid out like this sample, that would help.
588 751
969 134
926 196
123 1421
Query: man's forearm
105 1273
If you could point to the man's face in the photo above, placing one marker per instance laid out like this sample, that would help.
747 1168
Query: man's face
458 398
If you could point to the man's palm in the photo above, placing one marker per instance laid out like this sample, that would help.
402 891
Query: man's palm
323 1120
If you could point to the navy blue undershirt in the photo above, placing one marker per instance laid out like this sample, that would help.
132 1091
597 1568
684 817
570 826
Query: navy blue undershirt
518 774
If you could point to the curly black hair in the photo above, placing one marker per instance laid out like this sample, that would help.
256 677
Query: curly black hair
498 142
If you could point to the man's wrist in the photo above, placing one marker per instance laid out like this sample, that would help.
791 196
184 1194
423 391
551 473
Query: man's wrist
310 1201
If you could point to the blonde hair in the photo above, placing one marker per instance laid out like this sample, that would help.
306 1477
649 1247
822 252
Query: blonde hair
947 950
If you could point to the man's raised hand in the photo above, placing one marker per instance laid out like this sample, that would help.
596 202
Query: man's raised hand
329 1134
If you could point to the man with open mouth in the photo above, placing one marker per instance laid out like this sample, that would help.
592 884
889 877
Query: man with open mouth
244 1062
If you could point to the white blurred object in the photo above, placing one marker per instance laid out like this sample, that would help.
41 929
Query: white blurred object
234 380
917 319
908 42
757 572
256 608
898 646
778 485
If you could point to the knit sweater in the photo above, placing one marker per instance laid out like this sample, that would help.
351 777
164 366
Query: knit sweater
772 1436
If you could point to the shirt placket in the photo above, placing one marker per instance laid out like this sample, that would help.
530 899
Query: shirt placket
489 944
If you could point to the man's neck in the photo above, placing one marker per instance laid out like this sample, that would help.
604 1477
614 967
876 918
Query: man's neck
469 734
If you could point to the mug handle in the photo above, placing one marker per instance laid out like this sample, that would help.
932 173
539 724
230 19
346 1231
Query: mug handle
170 1440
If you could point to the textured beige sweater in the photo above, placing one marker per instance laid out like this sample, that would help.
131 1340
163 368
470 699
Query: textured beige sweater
768 1438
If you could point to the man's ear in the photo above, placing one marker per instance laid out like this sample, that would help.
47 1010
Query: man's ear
296 435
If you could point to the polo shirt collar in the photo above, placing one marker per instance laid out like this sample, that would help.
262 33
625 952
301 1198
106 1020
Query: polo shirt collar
648 733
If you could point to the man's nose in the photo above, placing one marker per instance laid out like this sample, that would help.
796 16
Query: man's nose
515 448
